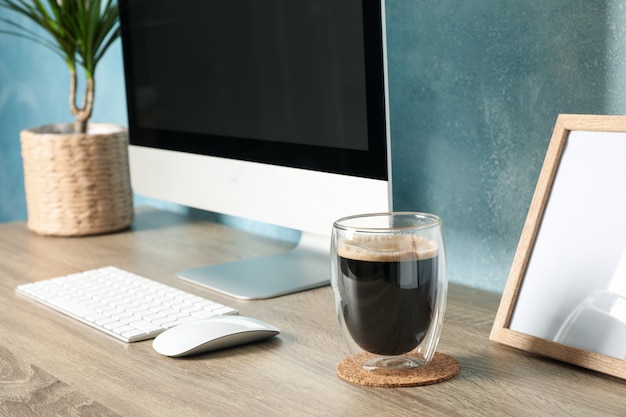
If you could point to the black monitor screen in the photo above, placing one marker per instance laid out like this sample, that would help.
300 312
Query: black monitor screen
295 83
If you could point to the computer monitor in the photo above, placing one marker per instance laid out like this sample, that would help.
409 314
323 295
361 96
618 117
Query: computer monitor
269 110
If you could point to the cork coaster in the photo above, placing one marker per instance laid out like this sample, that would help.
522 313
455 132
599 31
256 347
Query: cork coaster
441 368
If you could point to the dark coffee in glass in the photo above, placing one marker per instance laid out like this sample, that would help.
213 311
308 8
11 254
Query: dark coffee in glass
389 296
390 284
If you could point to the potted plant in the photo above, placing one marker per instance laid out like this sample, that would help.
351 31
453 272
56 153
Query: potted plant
76 175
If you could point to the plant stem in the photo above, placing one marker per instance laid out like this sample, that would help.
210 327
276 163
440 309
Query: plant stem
81 114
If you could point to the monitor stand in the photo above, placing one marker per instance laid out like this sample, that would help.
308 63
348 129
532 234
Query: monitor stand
304 267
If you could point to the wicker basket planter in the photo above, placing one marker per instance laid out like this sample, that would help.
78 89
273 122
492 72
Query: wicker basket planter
77 184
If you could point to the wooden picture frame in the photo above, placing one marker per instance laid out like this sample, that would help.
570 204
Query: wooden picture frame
564 297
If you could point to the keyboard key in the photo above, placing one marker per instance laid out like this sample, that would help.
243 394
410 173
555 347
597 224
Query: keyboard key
69 306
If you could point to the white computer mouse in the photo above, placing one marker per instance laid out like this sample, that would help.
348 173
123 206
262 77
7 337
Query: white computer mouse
212 334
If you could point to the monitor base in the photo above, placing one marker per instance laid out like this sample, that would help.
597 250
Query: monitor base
304 267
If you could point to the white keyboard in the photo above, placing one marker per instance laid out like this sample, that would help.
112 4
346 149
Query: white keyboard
122 304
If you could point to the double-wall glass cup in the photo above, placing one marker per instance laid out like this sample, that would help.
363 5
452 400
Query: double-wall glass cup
389 282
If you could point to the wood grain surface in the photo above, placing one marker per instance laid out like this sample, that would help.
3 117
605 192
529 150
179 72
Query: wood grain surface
52 365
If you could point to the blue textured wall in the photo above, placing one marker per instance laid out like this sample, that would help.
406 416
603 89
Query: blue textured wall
475 90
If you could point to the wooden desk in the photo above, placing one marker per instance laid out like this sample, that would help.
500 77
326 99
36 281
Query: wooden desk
54 365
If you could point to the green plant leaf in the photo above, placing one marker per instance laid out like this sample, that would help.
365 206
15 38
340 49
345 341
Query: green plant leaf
79 31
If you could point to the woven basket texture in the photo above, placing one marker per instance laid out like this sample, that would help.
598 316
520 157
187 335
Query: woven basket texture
77 184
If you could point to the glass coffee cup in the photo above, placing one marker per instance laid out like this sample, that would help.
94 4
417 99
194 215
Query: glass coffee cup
389 282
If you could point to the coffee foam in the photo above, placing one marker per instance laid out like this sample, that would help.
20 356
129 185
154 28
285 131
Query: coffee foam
387 248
